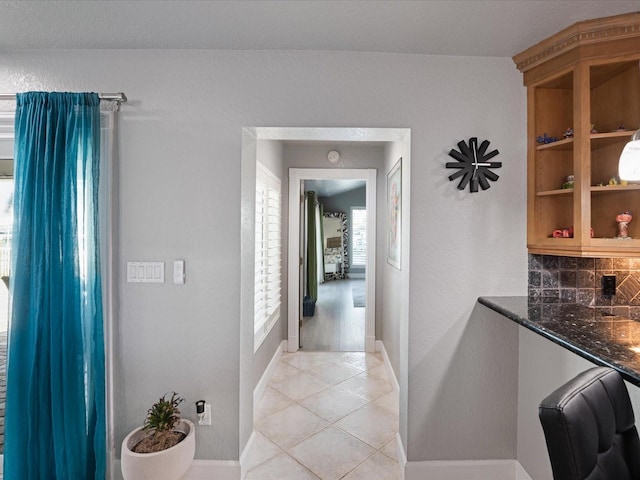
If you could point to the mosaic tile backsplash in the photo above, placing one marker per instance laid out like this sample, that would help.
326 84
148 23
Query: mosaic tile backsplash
579 280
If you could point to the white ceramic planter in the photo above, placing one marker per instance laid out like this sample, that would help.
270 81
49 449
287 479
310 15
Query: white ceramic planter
169 464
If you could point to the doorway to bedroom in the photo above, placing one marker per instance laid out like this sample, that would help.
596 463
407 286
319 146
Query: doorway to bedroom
333 243
308 244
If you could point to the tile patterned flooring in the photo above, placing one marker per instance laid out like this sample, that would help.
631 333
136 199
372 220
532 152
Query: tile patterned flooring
329 416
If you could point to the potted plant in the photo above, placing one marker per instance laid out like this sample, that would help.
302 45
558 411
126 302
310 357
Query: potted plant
163 448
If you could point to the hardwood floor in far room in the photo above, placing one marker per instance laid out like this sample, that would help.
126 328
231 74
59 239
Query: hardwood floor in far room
337 326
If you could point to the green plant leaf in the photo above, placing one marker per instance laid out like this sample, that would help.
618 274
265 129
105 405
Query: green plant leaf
163 414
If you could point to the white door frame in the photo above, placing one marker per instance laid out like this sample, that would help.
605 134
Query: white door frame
296 175
387 136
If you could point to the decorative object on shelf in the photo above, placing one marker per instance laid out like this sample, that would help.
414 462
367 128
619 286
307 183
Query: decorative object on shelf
563 233
568 183
593 128
543 139
612 182
623 219
568 133
621 128
629 163
473 162
566 233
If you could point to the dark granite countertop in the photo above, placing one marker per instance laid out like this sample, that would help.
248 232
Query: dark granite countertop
605 340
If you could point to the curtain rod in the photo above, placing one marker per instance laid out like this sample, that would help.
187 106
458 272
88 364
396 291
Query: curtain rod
116 97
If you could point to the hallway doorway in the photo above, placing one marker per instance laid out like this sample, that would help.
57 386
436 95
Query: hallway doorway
333 245
297 258
292 151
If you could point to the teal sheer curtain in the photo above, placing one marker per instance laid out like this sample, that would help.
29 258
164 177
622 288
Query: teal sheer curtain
55 406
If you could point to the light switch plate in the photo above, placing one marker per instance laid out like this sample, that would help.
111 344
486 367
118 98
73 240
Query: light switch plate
178 272
145 272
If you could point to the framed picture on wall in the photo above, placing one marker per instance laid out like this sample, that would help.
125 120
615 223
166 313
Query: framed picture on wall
394 208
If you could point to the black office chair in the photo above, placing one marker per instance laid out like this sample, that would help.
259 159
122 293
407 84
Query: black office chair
590 428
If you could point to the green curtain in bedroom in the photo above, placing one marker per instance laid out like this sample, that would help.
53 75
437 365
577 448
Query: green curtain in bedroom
320 249
312 257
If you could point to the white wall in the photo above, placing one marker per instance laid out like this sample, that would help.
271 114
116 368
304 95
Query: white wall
462 246
474 413
253 365
395 294
180 148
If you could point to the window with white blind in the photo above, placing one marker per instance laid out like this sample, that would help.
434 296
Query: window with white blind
268 253
358 236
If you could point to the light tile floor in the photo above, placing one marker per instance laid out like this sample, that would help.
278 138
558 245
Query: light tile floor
329 416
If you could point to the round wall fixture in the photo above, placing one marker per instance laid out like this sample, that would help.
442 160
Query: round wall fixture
473 165
333 156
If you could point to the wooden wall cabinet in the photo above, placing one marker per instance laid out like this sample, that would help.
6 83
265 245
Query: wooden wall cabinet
586 75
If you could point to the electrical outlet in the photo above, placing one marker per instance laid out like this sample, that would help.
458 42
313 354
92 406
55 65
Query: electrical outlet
205 419
608 284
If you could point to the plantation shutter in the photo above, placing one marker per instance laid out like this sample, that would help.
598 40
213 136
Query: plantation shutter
268 253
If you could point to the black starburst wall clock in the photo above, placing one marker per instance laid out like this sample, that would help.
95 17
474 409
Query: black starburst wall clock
473 165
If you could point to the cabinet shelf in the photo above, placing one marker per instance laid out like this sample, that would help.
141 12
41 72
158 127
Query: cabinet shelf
560 191
592 79
600 140
614 188
564 144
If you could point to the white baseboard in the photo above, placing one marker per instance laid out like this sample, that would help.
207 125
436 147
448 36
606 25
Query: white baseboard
203 470
258 392
466 470
370 344
218 469
392 375
401 456
245 454
261 387
521 473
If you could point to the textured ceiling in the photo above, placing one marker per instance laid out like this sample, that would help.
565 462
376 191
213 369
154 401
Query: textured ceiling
499 28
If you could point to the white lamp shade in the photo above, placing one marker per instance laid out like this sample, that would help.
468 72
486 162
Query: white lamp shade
629 165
